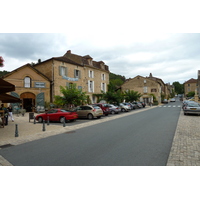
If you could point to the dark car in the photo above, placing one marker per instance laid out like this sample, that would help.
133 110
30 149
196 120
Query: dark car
165 101
58 115
143 104
137 104
104 107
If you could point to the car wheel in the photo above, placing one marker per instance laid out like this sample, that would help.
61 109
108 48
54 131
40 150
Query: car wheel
112 112
123 110
90 116
185 113
62 120
40 120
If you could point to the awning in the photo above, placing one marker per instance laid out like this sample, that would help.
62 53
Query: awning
6 86
6 98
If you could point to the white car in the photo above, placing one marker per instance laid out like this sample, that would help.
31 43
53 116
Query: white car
124 108
173 100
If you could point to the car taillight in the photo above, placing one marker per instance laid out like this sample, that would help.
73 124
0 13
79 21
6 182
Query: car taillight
94 110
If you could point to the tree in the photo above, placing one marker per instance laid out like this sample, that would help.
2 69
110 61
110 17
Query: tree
131 95
113 97
71 96
179 88
191 94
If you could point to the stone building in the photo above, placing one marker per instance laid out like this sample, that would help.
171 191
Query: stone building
148 87
190 86
31 86
89 75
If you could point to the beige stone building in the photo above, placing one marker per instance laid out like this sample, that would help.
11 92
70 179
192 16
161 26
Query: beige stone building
31 86
190 86
89 75
147 87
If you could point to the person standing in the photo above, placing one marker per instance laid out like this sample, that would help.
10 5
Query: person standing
5 114
10 113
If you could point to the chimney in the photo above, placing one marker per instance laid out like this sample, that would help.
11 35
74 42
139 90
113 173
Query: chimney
69 51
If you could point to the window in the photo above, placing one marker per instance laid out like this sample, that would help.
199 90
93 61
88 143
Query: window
77 73
103 77
188 85
145 89
91 74
90 86
103 87
62 71
154 90
27 82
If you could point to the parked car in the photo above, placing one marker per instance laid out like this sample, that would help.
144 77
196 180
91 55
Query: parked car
173 100
137 104
124 107
89 111
132 106
191 108
185 103
114 109
165 101
143 104
57 114
104 107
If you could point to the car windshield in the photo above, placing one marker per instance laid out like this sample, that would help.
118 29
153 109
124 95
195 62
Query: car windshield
96 107
193 105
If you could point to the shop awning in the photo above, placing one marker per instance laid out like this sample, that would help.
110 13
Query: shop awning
6 86
6 98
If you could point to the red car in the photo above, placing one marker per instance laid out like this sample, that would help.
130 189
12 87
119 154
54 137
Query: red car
57 114
104 107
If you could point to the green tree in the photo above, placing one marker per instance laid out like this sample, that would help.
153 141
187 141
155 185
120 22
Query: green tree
191 94
113 97
179 88
131 95
71 96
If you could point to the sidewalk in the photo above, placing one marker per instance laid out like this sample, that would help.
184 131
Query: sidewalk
185 149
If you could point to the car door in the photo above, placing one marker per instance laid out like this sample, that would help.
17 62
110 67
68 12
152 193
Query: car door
52 115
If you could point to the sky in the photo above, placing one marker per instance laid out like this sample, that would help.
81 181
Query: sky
132 38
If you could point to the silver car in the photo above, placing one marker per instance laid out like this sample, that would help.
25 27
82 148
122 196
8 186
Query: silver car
124 108
191 108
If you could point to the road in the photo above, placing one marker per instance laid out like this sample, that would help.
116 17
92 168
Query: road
142 139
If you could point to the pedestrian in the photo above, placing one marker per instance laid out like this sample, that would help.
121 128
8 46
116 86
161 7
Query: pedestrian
5 114
10 113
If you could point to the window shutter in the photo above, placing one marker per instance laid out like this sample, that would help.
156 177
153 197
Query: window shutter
92 86
79 74
67 84
65 71
60 73
88 86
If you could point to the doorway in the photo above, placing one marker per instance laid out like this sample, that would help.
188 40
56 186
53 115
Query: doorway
28 101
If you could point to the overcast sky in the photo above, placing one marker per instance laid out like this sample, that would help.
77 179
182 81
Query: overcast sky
131 38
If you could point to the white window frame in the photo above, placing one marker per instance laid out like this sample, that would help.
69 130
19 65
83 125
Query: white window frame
103 77
90 86
91 74
145 89
27 82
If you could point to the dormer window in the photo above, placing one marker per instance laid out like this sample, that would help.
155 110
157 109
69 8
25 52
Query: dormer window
27 82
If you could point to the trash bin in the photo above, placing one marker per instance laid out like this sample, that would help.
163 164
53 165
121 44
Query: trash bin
31 116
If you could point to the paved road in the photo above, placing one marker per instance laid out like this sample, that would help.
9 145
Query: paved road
142 139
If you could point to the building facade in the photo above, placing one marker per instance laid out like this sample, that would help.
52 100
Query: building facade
32 87
148 87
90 76
190 86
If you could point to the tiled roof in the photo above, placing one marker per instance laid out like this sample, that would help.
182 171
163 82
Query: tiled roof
192 80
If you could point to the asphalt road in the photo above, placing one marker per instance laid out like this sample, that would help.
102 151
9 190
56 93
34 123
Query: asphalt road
142 139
